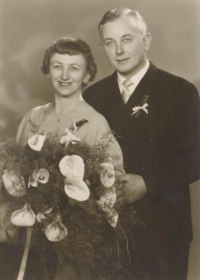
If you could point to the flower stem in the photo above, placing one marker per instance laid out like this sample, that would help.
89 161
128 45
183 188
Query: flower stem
25 255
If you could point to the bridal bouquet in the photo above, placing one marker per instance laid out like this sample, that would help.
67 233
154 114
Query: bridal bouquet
63 191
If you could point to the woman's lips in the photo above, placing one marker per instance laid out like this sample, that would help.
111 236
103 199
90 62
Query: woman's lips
65 84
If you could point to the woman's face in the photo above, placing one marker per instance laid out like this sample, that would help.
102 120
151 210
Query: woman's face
67 73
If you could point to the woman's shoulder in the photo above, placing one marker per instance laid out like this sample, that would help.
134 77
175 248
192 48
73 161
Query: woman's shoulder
94 116
36 111
40 108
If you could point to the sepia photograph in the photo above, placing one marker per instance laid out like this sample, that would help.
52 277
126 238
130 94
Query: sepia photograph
99 140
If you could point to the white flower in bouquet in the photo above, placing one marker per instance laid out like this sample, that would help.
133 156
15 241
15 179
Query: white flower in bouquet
107 174
69 137
56 231
72 166
14 183
42 216
41 176
106 203
24 217
36 142
109 197
76 188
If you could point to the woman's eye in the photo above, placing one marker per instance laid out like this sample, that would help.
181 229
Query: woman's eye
74 68
57 67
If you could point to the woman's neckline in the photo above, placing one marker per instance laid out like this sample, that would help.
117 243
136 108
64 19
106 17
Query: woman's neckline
50 109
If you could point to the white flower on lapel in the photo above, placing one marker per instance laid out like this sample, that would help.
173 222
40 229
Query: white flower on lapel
138 108
141 107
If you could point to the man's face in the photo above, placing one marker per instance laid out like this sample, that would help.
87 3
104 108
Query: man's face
125 45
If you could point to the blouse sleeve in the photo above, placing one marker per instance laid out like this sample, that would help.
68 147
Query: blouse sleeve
22 127
104 135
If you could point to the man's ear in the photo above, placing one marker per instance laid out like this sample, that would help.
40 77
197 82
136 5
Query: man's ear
101 47
147 41
86 79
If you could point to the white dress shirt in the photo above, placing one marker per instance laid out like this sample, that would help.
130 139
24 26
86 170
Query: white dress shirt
135 79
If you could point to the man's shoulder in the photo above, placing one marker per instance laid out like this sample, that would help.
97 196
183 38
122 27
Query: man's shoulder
174 87
100 86
173 79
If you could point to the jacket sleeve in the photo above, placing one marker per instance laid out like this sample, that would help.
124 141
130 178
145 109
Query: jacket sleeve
183 169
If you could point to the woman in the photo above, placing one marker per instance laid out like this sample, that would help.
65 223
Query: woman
69 65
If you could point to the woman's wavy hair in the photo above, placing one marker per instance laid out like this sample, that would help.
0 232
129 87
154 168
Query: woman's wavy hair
71 46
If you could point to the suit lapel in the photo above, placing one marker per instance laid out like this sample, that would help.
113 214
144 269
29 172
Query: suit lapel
145 87
116 110
119 115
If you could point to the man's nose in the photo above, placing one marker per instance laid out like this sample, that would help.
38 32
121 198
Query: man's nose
119 49
65 74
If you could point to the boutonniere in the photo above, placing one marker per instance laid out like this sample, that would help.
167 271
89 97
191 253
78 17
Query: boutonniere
141 107
77 125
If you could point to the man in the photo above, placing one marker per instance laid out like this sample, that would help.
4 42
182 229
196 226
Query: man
155 116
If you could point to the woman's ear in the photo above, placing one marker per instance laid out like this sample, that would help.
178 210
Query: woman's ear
48 76
86 79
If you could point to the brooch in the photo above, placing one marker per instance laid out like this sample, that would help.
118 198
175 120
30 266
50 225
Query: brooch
77 125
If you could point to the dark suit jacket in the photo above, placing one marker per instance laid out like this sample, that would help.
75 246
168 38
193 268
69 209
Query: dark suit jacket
161 146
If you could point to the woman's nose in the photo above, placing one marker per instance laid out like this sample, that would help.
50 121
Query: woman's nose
64 75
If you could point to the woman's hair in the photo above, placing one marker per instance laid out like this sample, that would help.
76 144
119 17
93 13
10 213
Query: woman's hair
70 46
114 14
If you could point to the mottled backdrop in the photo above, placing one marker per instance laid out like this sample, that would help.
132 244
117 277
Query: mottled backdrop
28 26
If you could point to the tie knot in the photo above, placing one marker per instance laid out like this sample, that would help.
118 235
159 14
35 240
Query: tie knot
126 92
127 84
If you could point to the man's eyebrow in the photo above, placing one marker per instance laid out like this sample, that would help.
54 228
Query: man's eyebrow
125 35
128 34
105 39
57 62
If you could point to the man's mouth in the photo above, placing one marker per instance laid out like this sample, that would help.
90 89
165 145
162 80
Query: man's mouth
122 60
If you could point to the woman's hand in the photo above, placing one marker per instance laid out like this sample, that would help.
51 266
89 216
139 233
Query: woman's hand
133 188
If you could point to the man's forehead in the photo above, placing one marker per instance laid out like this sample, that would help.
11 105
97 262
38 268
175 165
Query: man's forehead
119 27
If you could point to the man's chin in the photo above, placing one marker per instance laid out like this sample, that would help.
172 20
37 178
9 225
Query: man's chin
126 73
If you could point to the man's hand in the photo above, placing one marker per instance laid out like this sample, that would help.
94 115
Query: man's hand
133 188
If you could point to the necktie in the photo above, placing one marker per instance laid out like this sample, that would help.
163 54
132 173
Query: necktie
126 92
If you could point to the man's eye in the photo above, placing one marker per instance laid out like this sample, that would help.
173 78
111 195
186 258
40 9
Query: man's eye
127 40
109 43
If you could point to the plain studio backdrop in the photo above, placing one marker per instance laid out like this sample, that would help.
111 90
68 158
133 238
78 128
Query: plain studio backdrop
29 26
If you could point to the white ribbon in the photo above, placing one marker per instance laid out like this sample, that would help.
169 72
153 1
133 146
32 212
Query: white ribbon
143 107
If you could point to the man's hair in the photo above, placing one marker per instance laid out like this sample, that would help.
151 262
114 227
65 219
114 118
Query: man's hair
70 46
114 14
